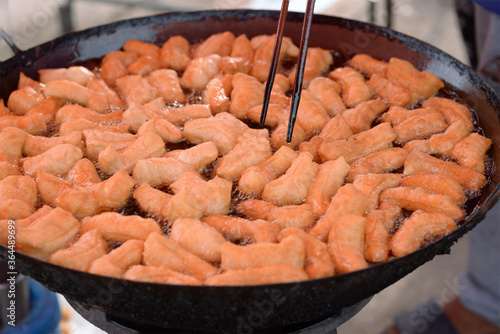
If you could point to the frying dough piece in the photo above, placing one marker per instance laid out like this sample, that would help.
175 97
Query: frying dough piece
436 184
119 228
284 216
164 252
292 187
367 64
114 65
328 180
78 74
80 254
146 146
377 234
179 116
253 147
376 139
451 110
97 141
264 53
311 116
389 92
397 115
73 112
361 117
318 262
167 83
18 197
31 123
198 238
318 61
163 128
220 44
161 275
378 162
22 100
247 93
80 125
418 199
100 86
83 173
241 57
200 71
25 222
467 177
72 92
151 200
255 276
417 229
116 262
35 145
371 185
216 95
57 160
199 156
347 200
47 234
423 85
159 171
419 127
243 230
47 107
346 243
254 178
471 151
327 92
175 53
290 251
11 145
354 88
136 89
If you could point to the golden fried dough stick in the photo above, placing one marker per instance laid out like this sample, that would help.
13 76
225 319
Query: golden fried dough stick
78 74
81 253
346 242
223 129
83 124
311 116
318 61
199 156
198 238
73 112
34 145
18 197
369 65
371 185
97 141
436 184
318 262
378 162
216 95
220 44
361 117
163 128
377 234
327 92
114 65
138 114
264 53
50 187
389 92
253 147
354 88
146 146
247 93
441 143
114 101
292 187
83 173
136 89
347 200
47 107
32 123
195 198
57 160
243 230
255 276
471 151
200 71
116 262
328 180
423 85
167 83
467 177
418 127
417 229
25 222
181 115
376 139
160 251
159 171
11 145
47 234
290 251
70 91
24 99
396 114
284 216
117 227
451 110
151 200
175 53
162 275
418 199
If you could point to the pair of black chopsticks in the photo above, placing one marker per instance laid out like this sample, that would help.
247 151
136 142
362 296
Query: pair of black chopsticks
299 73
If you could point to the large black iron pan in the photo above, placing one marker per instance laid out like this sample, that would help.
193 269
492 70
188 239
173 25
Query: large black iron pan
247 308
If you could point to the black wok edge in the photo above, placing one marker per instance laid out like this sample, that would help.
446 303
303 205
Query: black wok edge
246 308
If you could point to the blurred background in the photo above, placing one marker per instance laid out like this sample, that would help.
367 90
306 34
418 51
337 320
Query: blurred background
33 22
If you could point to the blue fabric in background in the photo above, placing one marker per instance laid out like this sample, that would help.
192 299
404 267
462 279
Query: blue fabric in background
491 5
